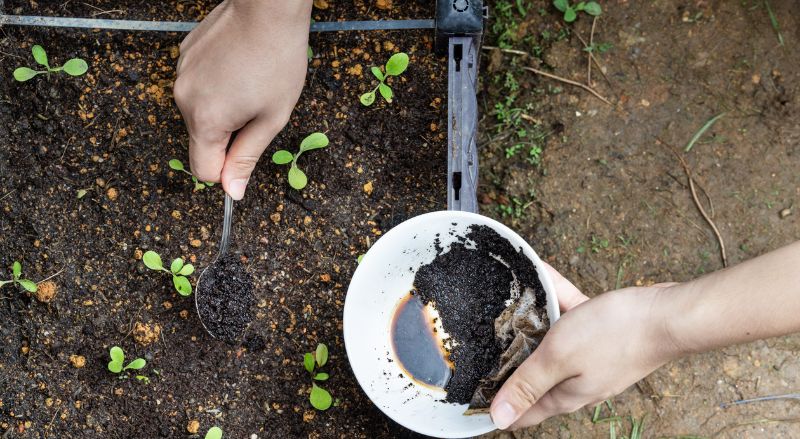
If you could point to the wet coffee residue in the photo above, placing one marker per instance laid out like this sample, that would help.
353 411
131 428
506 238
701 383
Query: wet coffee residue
417 343
224 298
470 285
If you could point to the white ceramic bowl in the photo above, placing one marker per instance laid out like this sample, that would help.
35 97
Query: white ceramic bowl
385 276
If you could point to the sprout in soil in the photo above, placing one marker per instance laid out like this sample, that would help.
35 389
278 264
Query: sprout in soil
16 273
116 365
320 398
177 165
177 269
571 12
73 67
396 65
214 433
297 178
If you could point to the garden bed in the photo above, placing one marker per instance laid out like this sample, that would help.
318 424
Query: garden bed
111 134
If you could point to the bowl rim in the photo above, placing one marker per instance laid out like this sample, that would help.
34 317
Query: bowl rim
407 227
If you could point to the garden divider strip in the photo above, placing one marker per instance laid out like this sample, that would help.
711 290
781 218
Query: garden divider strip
180 26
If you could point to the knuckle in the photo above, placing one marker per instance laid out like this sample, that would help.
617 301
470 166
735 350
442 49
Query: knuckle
180 91
243 163
525 393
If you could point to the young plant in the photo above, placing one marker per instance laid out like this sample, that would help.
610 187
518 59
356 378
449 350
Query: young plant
73 67
177 269
571 12
117 363
320 398
16 278
214 433
396 65
297 178
177 165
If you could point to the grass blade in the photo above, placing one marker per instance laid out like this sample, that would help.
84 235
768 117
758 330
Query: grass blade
774 20
702 131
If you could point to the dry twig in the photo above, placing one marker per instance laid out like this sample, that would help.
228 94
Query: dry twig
591 49
697 202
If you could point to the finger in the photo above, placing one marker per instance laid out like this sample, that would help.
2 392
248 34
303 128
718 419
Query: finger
524 388
568 295
555 402
207 152
250 143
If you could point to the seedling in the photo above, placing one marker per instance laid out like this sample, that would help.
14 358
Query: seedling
214 433
118 360
320 398
396 65
297 178
571 12
177 165
177 269
73 67
16 278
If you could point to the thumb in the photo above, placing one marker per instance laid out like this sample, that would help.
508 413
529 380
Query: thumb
241 159
568 295
525 387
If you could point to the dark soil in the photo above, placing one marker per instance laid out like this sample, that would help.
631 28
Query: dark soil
469 288
112 132
224 297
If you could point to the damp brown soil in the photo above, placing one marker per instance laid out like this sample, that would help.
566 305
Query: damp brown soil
470 284
224 299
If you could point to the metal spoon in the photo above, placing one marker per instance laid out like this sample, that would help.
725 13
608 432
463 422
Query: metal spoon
223 248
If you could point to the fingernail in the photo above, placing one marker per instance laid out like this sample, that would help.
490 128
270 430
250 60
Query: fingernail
504 415
237 188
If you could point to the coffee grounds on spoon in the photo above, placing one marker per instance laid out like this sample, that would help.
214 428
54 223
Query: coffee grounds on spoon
224 298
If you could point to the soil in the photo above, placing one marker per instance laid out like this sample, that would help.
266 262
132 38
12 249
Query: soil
224 298
470 287
604 203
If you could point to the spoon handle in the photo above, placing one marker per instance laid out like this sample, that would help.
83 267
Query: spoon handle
226 225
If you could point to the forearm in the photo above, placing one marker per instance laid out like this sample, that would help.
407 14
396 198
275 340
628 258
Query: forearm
756 299
277 12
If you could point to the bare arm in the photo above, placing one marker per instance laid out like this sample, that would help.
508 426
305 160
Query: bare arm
756 299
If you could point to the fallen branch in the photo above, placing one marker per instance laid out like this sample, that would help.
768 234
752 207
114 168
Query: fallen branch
697 203
591 49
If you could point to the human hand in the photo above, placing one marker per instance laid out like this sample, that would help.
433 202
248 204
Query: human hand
242 68
596 350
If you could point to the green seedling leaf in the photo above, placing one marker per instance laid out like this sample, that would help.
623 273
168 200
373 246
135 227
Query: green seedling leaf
75 67
360 258
176 265
321 376
176 165
580 6
386 92
29 285
308 362
297 178
310 53
282 157
81 193
136 364
314 141
183 285
378 73
214 433
561 5
367 98
322 354
40 55
16 269
186 270
198 186
593 8
570 15
23 74
209 184
117 358
397 64
143 379
152 260
320 398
